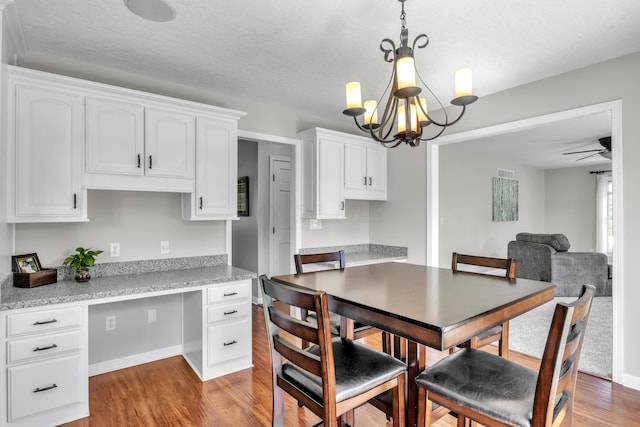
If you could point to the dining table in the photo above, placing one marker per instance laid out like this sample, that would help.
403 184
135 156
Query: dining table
429 306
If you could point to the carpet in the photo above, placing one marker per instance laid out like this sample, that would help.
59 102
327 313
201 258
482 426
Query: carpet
528 334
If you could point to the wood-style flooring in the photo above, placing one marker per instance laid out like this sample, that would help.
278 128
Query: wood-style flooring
168 393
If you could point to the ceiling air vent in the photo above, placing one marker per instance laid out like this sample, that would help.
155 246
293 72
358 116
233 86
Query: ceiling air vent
506 173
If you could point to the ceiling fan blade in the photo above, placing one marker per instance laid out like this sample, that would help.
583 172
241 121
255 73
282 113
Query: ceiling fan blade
590 155
585 151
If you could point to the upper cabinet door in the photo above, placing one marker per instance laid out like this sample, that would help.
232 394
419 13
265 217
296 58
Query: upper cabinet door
170 143
115 137
355 169
47 145
216 169
377 173
330 178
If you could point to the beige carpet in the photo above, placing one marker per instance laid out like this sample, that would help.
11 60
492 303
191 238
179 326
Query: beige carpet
528 334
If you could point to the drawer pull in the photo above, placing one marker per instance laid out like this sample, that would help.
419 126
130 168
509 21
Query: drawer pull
49 347
230 294
46 322
52 386
230 343
226 313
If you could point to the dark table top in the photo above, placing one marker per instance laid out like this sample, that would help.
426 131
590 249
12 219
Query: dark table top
433 306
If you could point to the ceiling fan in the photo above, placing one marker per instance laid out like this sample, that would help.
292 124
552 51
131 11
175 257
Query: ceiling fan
605 151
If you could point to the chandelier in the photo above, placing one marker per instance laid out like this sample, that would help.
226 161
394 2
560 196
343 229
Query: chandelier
405 116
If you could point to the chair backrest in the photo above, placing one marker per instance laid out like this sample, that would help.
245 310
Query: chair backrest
507 264
326 257
280 319
556 385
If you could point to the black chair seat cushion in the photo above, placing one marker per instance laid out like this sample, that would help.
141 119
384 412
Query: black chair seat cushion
486 383
357 368
334 322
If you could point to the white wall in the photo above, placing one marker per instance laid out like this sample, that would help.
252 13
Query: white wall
136 220
570 199
352 230
466 195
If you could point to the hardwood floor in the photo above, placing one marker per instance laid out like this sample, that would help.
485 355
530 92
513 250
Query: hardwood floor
168 393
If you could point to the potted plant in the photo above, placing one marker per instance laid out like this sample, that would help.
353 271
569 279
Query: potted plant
82 260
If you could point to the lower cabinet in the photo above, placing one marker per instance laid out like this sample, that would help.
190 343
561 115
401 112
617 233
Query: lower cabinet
44 367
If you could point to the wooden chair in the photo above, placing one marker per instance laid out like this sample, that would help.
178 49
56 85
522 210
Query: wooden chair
334 375
329 261
498 333
495 391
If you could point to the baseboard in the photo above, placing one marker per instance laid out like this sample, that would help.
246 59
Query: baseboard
133 360
631 381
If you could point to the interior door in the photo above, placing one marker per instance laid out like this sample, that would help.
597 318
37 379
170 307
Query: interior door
280 215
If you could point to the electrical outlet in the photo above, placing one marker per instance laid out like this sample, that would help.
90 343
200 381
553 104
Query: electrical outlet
114 250
151 316
164 247
110 323
315 224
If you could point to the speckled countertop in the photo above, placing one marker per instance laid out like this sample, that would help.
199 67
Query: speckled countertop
364 254
186 273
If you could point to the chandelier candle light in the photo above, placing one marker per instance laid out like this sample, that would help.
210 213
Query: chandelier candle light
405 111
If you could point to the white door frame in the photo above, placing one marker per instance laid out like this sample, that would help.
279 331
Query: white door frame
613 107
296 163
272 264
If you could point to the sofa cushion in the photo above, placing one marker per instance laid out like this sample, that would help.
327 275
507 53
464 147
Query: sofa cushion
557 241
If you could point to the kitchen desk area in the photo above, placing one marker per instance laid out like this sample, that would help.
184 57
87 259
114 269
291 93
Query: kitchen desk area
46 335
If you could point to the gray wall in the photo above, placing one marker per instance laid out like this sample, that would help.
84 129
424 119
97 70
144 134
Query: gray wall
570 199
466 194
245 230
610 80
350 231
135 219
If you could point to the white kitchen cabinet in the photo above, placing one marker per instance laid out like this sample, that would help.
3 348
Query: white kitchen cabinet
323 174
114 137
365 171
170 143
215 195
46 148
45 366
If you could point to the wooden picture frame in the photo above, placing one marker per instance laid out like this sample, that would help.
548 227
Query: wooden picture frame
27 263
243 196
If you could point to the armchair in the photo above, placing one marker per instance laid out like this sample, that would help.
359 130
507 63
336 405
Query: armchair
546 257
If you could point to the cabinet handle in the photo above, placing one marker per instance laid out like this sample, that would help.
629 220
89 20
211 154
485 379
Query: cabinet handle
230 343
150 162
230 294
138 161
38 389
226 313
45 322
342 205
200 203
369 180
365 180
75 201
49 347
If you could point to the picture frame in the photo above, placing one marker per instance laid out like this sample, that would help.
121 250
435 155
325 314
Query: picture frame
243 196
27 263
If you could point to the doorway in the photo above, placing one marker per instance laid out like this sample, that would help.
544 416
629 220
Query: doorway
280 215
614 109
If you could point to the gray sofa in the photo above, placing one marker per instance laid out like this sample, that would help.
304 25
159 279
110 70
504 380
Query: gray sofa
546 257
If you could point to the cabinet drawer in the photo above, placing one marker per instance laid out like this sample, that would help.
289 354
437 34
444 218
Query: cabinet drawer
227 311
38 387
228 341
227 293
41 346
45 320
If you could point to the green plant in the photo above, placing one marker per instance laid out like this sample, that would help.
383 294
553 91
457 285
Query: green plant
82 259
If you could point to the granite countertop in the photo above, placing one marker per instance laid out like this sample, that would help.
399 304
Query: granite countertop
65 291
364 254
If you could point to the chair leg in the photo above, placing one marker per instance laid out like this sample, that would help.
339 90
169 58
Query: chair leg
462 421
503 344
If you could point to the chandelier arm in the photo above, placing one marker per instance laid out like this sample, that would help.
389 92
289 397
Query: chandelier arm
442 129
432 120
388 52
423 45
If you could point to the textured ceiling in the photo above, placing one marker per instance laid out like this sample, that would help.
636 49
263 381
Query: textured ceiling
301 53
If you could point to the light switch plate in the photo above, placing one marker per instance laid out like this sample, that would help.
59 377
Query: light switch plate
164 247
114 250
315 224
